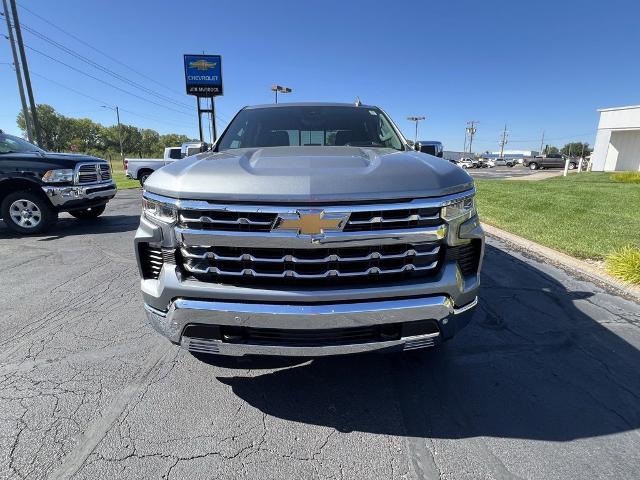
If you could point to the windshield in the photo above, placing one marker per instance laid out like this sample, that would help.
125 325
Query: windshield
11 144
310 126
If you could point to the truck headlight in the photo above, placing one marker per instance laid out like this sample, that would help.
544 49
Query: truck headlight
58 176
465 207
155 210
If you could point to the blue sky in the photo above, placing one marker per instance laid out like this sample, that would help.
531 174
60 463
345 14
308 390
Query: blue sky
544 65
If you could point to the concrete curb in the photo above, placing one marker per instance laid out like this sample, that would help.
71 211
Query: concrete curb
566 261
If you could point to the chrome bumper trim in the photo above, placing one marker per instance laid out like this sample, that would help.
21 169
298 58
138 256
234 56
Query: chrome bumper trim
60 195
341 315
283 239
217 347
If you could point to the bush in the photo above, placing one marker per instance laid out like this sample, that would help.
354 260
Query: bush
625 264
626 177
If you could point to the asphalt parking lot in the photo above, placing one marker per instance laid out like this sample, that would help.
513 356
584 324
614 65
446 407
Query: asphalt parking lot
543 383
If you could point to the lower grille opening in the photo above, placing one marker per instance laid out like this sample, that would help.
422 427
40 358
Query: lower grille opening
467 256
151 260
311 337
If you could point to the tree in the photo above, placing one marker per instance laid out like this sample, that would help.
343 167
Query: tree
52 133
83 135
550 149
173 140
574 149
149 142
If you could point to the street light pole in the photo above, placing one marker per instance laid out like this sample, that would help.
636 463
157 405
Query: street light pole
416 119
281 89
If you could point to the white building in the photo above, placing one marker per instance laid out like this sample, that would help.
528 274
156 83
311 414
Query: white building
618 140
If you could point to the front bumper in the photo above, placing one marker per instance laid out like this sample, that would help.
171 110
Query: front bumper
291 317
80 196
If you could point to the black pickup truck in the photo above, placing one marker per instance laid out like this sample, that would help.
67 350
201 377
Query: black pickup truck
35 185
552 160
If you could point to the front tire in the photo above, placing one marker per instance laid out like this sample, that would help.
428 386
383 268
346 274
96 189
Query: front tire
27 213
572 166
88 213
533 166
142 177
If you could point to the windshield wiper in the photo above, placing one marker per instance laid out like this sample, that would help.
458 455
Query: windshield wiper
368 144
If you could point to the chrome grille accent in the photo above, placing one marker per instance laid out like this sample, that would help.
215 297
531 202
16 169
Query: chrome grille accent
226 220
87 173
93 173
105 171
369 263
393 219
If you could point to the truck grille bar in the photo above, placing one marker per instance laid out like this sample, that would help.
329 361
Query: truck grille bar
369 263
93 173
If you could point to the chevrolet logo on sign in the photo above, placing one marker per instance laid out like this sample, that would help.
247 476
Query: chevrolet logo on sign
202 65
311 222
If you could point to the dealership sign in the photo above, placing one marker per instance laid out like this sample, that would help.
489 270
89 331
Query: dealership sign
203 75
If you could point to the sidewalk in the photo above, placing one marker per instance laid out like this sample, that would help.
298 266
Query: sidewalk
538 175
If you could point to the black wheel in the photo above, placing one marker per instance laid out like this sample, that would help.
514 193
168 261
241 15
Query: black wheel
27 213
533 166
572 166
87 213
510 165
142 176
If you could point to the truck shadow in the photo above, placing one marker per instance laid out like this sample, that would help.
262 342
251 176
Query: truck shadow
68 226
535 363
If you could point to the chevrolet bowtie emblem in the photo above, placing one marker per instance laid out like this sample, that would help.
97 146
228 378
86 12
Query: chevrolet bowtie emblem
311 222
202 65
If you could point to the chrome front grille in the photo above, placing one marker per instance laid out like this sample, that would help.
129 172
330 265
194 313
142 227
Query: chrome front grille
392 219
309 245
227 220
225 264
263 219
87 173
93 173
105 171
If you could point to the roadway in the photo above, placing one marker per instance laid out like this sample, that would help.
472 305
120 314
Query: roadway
543 384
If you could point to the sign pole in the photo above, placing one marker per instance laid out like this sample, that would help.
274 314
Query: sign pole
199 119
213 118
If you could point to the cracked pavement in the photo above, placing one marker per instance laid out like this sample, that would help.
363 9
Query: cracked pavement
543 384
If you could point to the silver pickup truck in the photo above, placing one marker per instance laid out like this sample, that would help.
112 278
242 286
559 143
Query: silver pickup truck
309 229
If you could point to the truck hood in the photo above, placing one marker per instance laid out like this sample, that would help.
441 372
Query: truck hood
51 160
308 174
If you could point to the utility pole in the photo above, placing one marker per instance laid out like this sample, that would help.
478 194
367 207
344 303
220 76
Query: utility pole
471 131
16 64
416 119
542 144
119 128
503 141
25 69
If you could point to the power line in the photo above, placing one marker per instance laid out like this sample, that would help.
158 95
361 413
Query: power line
102 68
105 82
103 102
95 49
105 69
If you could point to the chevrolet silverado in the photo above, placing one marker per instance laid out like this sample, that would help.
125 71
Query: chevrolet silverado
309 229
